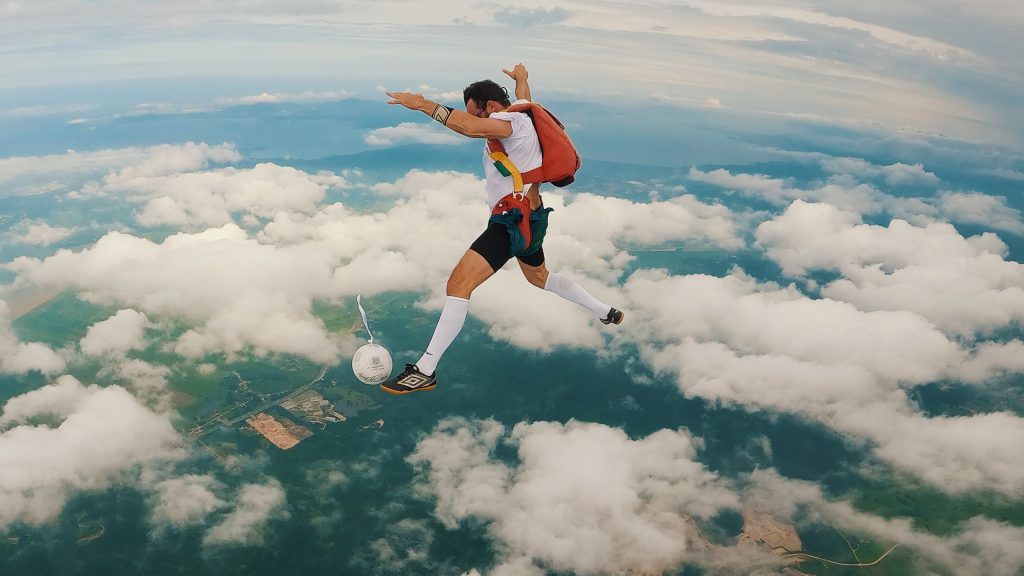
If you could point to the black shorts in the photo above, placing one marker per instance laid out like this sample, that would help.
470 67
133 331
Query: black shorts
495 247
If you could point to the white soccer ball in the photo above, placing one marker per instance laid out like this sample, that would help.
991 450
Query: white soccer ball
372 364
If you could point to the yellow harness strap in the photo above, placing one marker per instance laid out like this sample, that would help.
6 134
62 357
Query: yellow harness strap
507 168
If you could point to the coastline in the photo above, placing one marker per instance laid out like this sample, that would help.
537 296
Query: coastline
21 302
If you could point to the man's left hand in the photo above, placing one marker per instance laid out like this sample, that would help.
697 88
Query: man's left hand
517 73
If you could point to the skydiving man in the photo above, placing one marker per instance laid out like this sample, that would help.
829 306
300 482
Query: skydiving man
486 117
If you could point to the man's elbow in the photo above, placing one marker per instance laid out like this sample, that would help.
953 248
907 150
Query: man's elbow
489 134
477 132
457 125
478 128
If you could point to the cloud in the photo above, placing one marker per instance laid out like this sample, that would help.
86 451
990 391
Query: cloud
185 501
40 111
37 233
102 434
983 209
284 97
411 132
147 381
582 497
122 332
736 341
22 357
255 506
240 292
111 340
933 47
960 284
862 198
597 220
847 190
992 359
173 159
436 94
526 17
897 174
404 550
213 198
59 170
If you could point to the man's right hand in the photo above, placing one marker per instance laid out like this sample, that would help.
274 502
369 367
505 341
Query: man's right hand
407 99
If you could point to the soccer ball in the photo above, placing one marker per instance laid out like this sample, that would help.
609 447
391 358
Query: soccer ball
372 364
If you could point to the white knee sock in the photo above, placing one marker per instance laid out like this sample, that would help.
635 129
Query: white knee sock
453 316
570 290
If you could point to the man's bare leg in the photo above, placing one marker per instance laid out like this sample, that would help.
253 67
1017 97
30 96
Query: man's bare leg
471 271
536 275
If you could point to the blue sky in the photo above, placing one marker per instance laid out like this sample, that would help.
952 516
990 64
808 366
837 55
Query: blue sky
951 67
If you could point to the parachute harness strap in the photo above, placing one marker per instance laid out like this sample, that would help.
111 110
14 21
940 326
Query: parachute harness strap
507 168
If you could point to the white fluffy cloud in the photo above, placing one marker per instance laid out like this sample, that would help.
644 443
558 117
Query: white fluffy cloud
761 346
982 209
173 159
583 497
893 174
599 227
37 233
102 434
411 132
147 381
240 292
281 97
960 284
174 190
122 332
133 162
255 506
185 501
212 198
847 190
842 191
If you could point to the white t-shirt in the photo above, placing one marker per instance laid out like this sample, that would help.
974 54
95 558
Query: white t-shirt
522 148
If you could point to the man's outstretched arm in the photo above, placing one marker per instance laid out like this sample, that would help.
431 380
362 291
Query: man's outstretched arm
456 120
520 75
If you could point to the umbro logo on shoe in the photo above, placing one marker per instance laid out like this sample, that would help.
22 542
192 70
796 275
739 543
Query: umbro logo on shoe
410 380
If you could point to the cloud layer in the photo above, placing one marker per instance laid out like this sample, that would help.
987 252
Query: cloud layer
255 291
736 340
962 285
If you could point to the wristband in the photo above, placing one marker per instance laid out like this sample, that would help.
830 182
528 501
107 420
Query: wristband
441 114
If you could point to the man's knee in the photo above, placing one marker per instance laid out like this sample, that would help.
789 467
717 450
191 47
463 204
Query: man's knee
459 287
536 276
